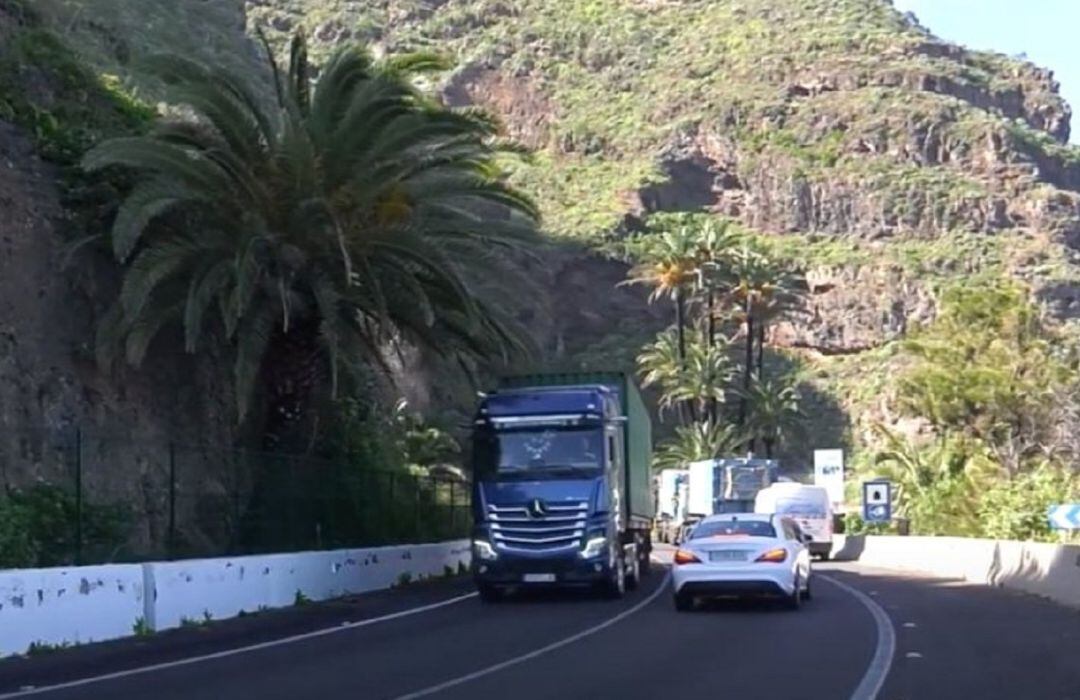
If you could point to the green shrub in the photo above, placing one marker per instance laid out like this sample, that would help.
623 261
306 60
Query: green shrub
38 528
1016 509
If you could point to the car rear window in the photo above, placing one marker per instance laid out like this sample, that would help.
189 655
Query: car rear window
751 528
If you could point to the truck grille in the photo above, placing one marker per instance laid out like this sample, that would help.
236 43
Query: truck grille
554 527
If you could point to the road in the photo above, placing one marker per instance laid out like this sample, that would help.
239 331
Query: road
951 641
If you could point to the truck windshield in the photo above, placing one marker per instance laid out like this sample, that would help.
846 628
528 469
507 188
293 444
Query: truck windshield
538 452
806 509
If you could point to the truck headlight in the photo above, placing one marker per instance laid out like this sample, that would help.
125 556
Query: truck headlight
484 550
594 547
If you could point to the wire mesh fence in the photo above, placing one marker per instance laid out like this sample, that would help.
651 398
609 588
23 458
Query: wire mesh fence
71 497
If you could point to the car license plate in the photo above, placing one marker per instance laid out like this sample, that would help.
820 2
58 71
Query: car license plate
539 578
728 555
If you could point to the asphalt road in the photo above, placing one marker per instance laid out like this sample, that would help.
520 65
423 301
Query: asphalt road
951 641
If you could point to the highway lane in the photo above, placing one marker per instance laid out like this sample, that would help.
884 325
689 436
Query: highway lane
969 640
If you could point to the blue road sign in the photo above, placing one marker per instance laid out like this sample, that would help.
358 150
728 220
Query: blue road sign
877 501
1065 517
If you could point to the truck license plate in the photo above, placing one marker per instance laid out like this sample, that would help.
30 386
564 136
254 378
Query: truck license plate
539 578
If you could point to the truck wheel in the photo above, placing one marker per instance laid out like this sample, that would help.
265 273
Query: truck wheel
615 586
490 594
645 559
633 578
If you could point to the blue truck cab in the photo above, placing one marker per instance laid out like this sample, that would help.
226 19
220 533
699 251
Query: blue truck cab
557 476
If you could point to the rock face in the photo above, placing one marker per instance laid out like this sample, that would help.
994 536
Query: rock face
58 410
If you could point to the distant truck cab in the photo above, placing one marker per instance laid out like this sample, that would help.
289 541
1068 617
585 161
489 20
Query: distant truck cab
808 506
562 492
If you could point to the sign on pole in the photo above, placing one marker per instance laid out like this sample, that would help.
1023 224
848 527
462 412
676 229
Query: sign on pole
829 473
877 501
1065 517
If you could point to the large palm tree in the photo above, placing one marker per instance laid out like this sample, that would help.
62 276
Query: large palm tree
311 228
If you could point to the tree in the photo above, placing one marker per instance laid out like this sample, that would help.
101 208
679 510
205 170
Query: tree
670 268
696 442
773 411
701 379
311 229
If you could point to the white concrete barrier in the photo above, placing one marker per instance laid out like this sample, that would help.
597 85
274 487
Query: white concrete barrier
201 589
1048 570
64 606
56 607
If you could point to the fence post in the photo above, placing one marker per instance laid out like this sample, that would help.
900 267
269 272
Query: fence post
171 541
392 520
416 519
78 498
453 510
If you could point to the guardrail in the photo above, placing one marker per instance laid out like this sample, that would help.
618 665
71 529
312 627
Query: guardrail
77 605
1048 570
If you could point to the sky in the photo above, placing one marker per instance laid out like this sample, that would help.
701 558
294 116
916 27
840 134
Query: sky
1048 31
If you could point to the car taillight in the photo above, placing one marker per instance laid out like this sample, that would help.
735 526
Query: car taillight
773 555
684 557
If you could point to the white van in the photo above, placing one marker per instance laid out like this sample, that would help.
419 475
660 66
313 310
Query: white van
808 506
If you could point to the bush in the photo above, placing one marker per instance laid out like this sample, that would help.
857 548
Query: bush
39 526
1017 509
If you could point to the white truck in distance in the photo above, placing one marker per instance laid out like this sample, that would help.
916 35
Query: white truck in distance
809 506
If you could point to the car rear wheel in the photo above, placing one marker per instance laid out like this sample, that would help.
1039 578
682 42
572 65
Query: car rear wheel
806 591
794 601
683 602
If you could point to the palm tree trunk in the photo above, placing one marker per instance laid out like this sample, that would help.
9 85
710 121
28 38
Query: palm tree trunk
761 351
291 370
714 405
768 448
680 324
749 365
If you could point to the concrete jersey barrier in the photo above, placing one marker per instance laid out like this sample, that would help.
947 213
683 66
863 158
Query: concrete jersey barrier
78 605
1044 569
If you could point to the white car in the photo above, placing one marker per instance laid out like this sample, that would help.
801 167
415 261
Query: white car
742 554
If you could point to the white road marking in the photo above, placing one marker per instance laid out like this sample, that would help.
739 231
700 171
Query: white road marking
913 655
910 625
878 670
239 650
453 682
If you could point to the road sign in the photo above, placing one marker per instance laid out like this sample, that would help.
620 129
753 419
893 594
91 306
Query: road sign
829 473
877 501
1066 517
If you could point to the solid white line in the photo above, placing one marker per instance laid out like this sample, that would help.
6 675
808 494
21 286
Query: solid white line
538 652
239 650
878 670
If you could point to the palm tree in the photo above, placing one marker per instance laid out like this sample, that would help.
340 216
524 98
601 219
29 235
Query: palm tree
312 228
749 279
773 412
699 380
670 269
696 442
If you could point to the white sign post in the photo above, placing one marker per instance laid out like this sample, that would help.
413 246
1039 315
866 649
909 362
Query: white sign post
829 472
